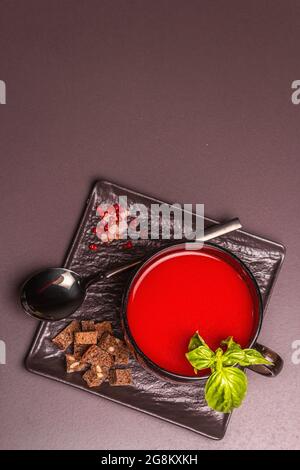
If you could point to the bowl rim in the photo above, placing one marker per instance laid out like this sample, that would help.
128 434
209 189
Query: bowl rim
153 366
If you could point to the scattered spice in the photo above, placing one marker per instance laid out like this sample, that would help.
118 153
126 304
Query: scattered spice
93 247
128 245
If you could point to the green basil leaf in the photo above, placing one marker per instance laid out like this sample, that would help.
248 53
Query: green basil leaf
230 343
201 357
227 385
234 353
196 341
233 357
225 389
243 357
252 356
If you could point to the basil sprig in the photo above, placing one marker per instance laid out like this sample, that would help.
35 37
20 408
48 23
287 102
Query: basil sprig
226 387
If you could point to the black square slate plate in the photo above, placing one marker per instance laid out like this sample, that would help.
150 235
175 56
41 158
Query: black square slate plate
181 404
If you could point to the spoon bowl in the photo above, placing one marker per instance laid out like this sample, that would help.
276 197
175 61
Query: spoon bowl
53 294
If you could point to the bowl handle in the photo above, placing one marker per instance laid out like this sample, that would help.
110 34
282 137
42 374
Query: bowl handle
265 369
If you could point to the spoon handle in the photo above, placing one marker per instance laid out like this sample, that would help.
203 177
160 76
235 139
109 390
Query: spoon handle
220 229
211 232
112 272
120 269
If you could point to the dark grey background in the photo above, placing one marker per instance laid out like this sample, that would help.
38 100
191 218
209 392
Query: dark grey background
186 101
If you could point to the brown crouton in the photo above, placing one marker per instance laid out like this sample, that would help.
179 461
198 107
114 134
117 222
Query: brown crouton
97 356
66 336
88 325
103 327
95 376
109 343
86 337
120 377
74 365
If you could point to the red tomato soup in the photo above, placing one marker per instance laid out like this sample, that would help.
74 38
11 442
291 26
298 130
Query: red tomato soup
184 291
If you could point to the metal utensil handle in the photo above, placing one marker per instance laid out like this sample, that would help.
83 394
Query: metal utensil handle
120 269
265 369
220 229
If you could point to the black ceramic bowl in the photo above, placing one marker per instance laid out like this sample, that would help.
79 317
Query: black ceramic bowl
241 268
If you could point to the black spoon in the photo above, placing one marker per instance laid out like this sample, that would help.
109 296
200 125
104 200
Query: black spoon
56 293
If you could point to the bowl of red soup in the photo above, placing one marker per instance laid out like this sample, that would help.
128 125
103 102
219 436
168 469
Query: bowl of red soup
179 291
